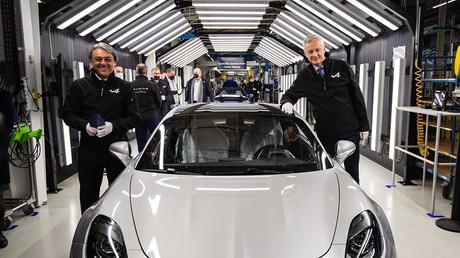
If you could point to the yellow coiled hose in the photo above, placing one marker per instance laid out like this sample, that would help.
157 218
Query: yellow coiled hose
420 119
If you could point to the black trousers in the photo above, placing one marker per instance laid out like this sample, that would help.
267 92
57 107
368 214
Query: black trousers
352 162
92 162
2 208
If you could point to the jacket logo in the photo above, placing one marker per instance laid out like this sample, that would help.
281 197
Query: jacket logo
115 91
337 75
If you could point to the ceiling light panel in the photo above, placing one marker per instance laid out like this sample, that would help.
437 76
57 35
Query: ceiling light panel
77 12
231 42
352 17
291 23
274 54
182 48
158 34
375 12
164 39
178 57
318 23
230 14
112 11
151 19
314 9
127 18
165 20
269 57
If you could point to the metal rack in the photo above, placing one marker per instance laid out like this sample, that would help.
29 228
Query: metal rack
435 163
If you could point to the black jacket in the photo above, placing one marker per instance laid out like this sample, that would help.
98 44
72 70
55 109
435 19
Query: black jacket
114 99
206 91
165 90
7 121
148 97
338 103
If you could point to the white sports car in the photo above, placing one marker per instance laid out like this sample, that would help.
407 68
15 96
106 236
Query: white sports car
233 180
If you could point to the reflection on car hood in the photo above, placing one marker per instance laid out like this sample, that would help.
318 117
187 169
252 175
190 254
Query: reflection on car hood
235 216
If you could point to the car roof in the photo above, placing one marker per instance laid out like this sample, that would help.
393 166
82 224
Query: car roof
226 107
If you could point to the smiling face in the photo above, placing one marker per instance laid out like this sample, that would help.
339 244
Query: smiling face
314 50
102 62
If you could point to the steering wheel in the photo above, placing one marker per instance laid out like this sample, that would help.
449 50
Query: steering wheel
271 151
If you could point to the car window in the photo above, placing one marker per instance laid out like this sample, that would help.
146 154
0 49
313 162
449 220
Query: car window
237 143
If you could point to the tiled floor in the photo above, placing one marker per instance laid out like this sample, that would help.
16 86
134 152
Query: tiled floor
49 233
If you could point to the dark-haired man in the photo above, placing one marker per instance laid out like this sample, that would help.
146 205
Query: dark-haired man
103 108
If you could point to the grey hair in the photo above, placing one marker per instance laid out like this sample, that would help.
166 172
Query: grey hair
105 47
310 38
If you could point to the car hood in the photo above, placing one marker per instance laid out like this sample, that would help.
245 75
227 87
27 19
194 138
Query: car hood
290 215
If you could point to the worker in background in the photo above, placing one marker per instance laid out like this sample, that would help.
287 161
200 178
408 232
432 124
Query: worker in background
176 91
338 103
198 89
119 72
103 108
7 121
167 98
149 100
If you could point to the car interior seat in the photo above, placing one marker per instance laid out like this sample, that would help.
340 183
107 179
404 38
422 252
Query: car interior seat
204 143
261 133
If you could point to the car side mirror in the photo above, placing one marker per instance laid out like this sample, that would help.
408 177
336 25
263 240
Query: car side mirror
121 150
343 150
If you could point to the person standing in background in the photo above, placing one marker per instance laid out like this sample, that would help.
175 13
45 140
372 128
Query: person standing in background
165 92
103 108
198 89
338 103
175 90
119 72
149 100
7 120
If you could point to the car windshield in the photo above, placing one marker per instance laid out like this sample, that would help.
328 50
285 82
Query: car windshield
233 143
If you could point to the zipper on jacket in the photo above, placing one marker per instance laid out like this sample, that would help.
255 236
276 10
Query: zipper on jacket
102 94
324 86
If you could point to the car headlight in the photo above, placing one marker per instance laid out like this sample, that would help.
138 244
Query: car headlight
364 237
105 239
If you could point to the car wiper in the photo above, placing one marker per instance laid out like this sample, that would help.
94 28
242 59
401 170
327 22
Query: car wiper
169 171
248 171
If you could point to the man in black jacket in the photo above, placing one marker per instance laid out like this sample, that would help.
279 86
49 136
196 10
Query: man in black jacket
338 103
103 107
198 89
149 100
7 119
167 98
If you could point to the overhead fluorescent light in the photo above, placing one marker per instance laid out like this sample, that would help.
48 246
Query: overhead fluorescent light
168 38
150 30
334 7
234 5
232 36
373 14
229 12
229 23
182 48
230 27
147 22
299 25
441 4
326 17
84 12
293 39
138 12
317 25
151 39
234 18
109 17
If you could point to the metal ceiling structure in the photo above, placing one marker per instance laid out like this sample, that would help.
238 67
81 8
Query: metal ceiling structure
272 29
